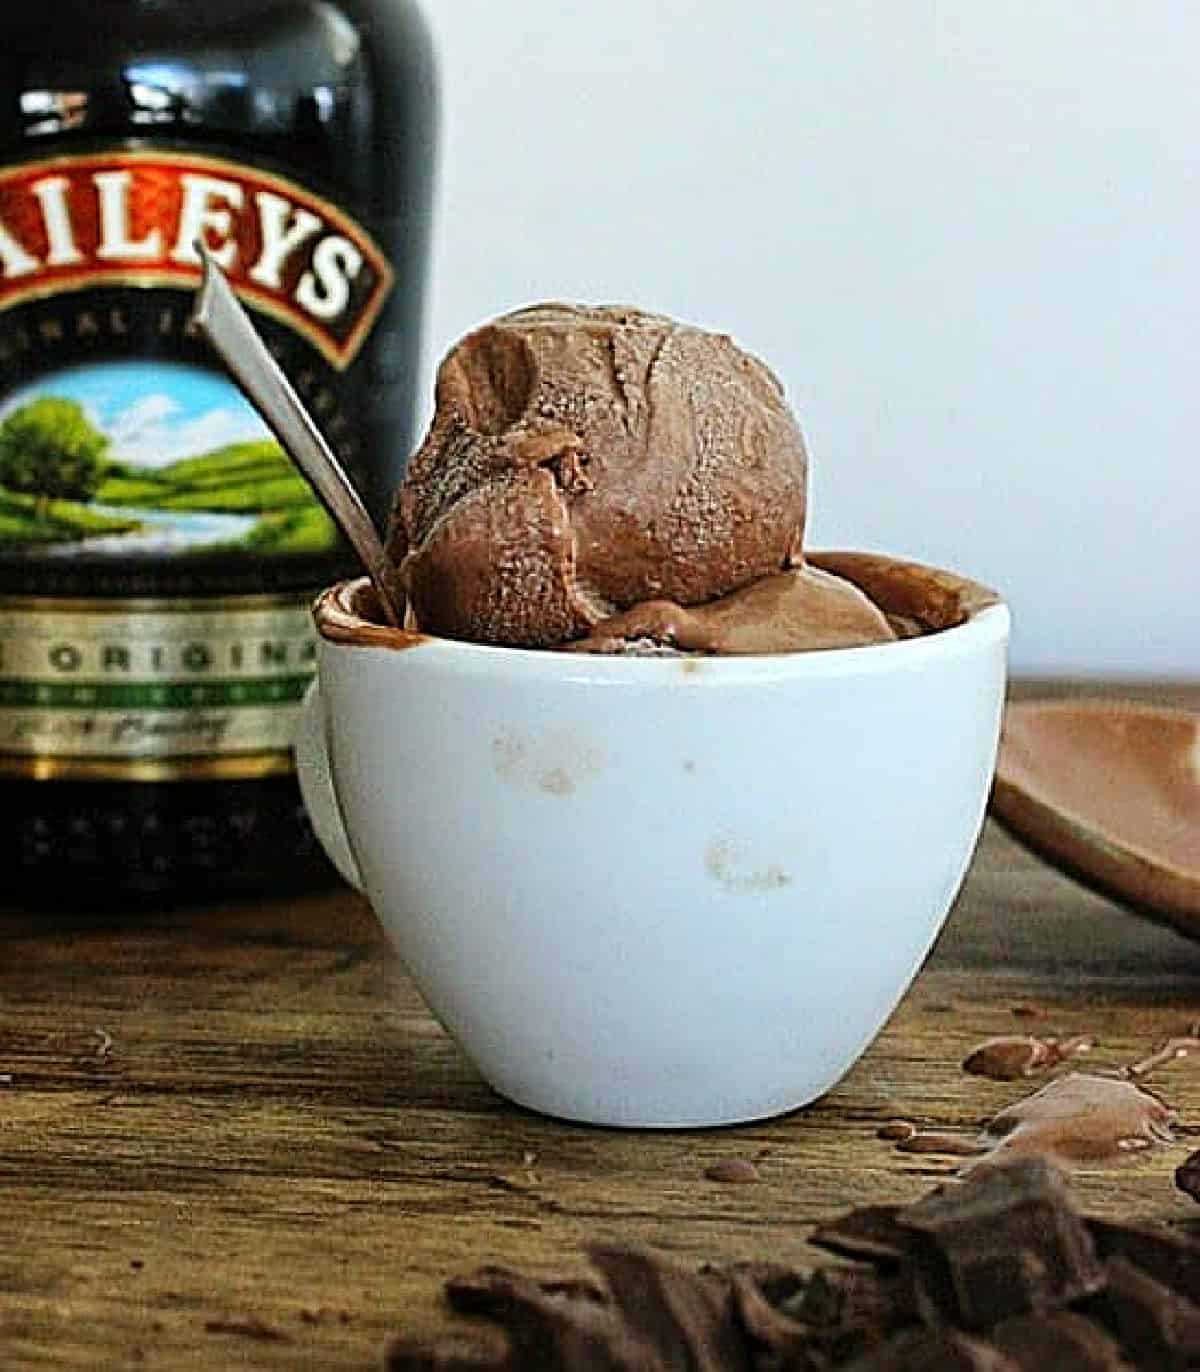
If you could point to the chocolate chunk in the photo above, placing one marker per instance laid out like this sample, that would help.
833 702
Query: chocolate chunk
872 1232
577 1338
558 1326
491 1290
688 1319
1061 1341
854 1296
997 1273
1170 1257
1187 1175
775 1281
932 1350
1156 1326
1005 1242
976 1288
848 1310
446 1355
773 1337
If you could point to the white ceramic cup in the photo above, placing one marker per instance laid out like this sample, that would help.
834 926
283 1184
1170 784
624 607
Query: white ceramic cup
650 891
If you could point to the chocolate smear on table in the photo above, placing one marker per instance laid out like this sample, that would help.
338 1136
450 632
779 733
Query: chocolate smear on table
1076 1118
1081 1117
896 1130
735 1170
996 1273
1179 1046
941 1142
1009 1057
249 1327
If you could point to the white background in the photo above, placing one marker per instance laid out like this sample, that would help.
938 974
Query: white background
965 233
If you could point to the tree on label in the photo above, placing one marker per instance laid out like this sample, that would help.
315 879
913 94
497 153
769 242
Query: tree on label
49 449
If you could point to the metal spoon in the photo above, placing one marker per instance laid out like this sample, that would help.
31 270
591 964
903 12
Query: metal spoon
219 318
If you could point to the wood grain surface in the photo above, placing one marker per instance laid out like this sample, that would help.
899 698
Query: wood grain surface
234 1138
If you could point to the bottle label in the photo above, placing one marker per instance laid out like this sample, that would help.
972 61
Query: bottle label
135 218
151 690
120 437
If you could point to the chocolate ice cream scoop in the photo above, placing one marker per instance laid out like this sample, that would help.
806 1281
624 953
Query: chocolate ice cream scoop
606 469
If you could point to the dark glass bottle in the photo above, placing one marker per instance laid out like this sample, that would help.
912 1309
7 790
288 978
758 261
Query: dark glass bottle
158 554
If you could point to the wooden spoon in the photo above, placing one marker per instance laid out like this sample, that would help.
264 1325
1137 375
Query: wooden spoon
219 319
1108 791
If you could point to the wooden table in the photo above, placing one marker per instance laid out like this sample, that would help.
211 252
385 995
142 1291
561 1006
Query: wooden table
235 1138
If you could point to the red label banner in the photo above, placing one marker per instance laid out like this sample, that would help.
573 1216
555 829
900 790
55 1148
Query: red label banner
134 218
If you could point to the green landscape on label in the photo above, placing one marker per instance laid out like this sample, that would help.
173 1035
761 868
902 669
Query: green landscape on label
59 485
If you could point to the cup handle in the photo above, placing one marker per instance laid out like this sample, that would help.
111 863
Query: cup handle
316 786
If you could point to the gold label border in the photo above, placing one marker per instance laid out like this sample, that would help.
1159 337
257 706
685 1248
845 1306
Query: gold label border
248 767
160 605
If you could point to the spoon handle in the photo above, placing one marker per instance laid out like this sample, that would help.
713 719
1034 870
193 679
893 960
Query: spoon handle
219 318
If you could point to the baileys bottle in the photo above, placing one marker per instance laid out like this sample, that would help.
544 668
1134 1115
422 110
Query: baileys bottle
158 552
